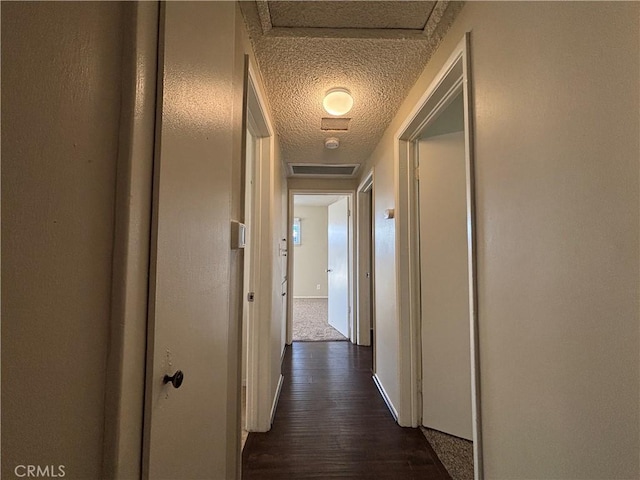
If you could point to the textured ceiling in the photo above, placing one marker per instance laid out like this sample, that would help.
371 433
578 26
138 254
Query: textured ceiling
303 50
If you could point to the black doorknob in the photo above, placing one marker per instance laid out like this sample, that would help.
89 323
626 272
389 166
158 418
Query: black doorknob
176 379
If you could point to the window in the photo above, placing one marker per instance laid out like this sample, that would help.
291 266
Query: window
296 231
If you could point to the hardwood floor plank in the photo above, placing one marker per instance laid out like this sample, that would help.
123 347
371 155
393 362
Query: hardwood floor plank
331 422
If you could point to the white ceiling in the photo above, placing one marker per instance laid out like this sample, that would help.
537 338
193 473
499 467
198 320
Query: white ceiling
376 49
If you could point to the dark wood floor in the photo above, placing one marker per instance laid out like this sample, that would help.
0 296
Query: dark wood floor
331 422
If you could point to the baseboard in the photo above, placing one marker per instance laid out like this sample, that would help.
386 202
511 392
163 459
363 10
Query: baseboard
276 398
385 397
306 296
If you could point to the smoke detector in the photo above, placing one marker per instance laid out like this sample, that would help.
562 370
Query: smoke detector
332 143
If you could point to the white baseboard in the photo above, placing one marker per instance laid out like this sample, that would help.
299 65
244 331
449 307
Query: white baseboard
276 398
306 296
385 397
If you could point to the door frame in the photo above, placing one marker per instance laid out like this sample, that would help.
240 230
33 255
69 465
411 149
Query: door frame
365 263
339 257
124 401
260 403
291 256
452 79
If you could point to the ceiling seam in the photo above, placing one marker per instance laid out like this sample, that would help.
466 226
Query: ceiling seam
265 15
348 33
436 16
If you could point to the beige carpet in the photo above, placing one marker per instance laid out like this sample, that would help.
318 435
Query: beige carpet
456 454
243 431
310 322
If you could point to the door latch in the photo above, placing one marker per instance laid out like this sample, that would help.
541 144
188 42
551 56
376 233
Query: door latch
251 296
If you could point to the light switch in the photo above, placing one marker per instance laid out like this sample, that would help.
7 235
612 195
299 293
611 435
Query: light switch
238 235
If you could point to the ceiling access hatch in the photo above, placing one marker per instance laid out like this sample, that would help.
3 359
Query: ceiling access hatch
334 124
321 170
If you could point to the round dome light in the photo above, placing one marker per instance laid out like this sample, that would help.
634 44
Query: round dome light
337 101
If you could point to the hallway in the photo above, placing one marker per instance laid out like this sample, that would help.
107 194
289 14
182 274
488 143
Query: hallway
152 155
331 422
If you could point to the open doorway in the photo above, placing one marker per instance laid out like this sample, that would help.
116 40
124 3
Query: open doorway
250 259
322 262
257 392
444 288
436 195
321 275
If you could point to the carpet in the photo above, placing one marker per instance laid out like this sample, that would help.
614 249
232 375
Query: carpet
456 454
310 321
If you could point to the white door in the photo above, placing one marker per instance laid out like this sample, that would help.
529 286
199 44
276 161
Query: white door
338 265
248 291
187 425
446 363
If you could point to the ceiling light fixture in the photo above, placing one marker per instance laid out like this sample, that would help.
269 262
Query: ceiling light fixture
337 101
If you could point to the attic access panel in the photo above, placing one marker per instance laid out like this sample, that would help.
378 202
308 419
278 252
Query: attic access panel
334 124
405 15
322 170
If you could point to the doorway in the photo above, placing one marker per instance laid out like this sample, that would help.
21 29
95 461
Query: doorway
256 394
437 276
250 263
321 267
444 275
365 267
321 274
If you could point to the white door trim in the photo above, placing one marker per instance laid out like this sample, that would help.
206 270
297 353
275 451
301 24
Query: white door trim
454 77
259 398
352 254
364 259
124 402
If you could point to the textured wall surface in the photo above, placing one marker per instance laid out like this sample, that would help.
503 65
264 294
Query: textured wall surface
60 128
299 68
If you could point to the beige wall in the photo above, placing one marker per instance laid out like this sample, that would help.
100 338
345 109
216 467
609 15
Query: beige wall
310 257
61 80
386 331
556 134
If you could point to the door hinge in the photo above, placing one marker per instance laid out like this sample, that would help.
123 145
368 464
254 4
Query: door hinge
348 213
416 173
